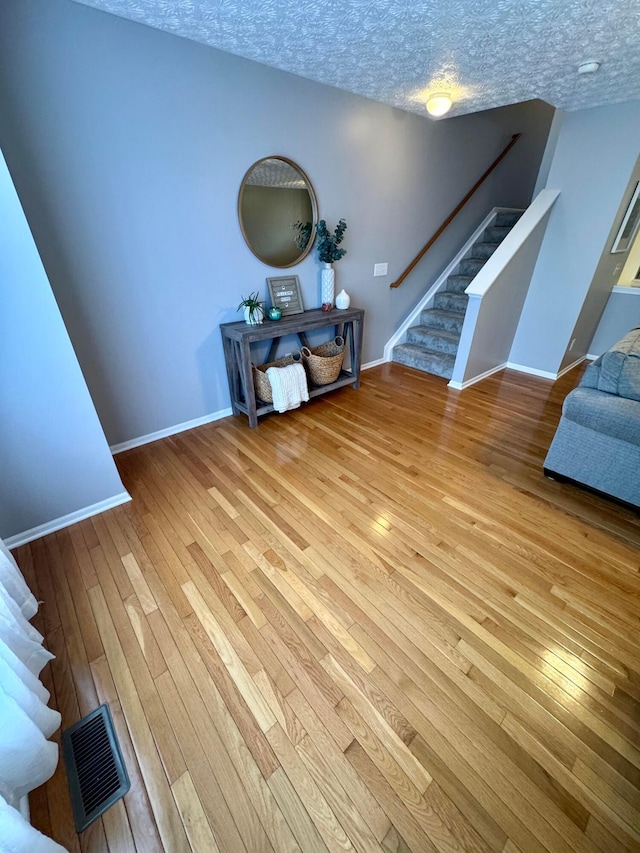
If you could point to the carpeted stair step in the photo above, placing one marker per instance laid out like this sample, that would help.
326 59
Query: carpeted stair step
482 250
508 218
458 283
470 266
436 340
449 321
438 363
495 233
446 301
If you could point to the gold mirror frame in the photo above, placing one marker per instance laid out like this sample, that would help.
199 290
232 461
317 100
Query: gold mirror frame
269 228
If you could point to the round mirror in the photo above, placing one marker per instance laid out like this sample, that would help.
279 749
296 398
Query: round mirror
278 211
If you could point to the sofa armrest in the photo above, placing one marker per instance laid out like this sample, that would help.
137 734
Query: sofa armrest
606 413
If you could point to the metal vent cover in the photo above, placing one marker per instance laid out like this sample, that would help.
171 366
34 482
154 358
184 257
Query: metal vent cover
95 769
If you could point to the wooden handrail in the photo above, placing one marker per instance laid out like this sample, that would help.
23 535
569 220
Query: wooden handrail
454 213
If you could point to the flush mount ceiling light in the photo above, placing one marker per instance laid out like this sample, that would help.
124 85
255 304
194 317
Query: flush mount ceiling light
438 104
588 67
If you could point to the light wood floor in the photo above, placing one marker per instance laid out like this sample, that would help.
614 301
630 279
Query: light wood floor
367 625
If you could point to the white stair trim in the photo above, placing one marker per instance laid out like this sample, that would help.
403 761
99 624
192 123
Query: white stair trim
399 336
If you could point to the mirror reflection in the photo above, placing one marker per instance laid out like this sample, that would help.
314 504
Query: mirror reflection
277 210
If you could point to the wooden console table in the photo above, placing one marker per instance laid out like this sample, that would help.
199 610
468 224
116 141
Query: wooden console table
238 337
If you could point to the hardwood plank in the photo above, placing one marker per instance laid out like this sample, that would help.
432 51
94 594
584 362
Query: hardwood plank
203 775
146 640
117 830
164 808
412 797
380 727
136 800
357 791
402 819
240 711
74 642
190 643
230 658
139 584
193 817
93 839
295 812
336 796
320 812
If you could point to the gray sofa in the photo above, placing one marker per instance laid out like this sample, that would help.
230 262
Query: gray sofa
597 442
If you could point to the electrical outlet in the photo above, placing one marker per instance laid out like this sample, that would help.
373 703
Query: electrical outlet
380 269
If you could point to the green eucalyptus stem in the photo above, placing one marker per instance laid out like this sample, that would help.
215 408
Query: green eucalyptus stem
327 243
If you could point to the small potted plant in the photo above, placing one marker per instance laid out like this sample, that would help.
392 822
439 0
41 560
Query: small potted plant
253 309
328 252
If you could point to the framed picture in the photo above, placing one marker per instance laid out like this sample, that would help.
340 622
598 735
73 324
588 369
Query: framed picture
624 237
285 294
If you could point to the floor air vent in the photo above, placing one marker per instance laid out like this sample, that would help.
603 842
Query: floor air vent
95 769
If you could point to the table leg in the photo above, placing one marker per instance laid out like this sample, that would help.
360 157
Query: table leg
304 340
356 350
273 348
246 373
232 372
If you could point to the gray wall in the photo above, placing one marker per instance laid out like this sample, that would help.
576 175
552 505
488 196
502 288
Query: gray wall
53 454
622 313
593 162
128 146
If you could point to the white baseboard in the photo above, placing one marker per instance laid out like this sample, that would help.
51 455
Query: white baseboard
376 363
66 520
460 386
533 371
545 374
570 366
172 430
591 356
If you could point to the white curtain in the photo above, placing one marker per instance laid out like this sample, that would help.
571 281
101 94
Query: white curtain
27 758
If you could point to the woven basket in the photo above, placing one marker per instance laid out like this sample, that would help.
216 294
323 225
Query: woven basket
261 380
323 363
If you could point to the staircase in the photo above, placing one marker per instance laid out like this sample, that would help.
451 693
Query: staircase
432 345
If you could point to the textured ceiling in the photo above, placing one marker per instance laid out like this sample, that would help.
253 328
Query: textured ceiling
274 172
487 53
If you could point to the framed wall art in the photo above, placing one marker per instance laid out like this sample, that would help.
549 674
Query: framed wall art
285 294
627 231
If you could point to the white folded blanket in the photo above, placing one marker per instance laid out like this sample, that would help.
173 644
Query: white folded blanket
289 386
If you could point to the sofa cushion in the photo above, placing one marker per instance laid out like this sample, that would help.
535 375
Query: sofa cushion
618 370
604 413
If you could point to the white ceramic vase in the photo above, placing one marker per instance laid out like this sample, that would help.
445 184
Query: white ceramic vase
253 318
328 286
343 300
